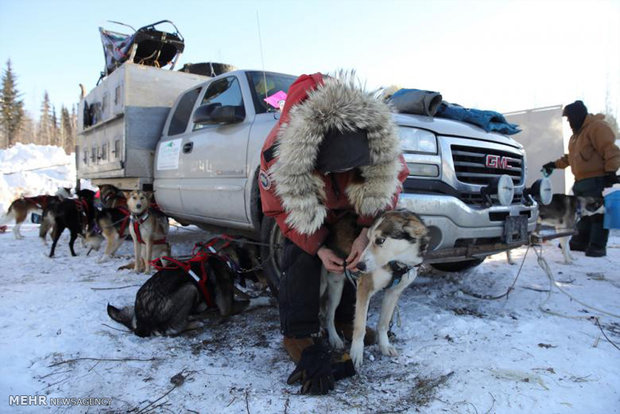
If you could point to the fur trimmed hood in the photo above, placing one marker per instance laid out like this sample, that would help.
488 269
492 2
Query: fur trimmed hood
338 103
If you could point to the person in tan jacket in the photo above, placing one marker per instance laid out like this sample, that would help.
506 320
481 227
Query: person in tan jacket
594 159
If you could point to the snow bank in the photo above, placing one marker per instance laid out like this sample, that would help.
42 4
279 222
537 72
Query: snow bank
29 170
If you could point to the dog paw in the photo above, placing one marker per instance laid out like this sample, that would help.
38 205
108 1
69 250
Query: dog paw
103 259
357 354
388 350
336 342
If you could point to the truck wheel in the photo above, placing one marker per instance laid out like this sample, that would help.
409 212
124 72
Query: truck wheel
271 253
457 266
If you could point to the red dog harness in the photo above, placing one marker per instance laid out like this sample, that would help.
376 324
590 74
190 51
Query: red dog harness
186 266
124 222
201 253
136 221
39 201
82 207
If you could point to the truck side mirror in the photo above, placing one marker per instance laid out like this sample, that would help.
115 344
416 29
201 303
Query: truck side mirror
217 114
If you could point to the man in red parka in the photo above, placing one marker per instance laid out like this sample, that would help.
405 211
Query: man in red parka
335 150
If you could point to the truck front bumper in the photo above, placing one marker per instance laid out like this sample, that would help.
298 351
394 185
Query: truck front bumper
460 231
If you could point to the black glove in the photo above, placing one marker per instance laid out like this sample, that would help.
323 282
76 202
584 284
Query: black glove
610 179
314 370
343 368
548 167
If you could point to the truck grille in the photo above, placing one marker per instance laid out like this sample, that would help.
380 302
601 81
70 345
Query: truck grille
470 164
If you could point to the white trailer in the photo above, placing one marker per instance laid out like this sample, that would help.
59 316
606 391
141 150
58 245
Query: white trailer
545 138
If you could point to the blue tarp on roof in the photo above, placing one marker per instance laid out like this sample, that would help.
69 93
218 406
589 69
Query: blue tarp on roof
487 120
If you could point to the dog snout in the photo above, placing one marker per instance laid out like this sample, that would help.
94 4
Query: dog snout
424 244
138 206
361 266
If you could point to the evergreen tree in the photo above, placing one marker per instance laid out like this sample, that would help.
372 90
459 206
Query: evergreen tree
45 122
55 132
11 107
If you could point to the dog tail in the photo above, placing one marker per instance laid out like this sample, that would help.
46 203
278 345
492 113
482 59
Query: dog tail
124 316
9 216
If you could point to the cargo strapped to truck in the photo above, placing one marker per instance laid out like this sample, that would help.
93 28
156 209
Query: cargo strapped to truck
146 46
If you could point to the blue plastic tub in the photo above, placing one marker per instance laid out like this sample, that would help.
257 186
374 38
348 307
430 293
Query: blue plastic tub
612 210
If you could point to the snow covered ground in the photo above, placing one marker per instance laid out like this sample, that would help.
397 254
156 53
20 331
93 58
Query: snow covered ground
538 350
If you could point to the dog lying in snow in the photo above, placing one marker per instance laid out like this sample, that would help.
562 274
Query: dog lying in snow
166 301
397 241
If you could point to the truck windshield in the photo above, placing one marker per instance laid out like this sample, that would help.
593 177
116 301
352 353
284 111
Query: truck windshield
265 84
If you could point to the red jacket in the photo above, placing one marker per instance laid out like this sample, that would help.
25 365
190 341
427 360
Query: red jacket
334 193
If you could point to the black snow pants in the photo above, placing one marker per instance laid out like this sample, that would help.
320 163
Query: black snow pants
299 294
591 232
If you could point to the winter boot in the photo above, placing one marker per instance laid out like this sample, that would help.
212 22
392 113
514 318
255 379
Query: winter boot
596 251
295 346
346 328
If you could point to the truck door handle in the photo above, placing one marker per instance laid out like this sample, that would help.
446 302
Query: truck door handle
187 148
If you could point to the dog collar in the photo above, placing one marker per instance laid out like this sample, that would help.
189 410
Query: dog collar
352 277
141 218
398 269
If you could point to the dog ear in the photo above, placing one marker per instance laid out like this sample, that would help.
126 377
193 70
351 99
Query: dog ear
149 196
127 194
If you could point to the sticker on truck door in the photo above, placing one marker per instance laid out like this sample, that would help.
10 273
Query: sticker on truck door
168 155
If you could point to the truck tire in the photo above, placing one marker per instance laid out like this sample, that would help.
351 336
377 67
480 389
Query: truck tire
271 253
457 266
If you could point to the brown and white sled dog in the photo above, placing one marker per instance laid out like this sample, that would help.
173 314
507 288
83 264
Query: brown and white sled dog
114 226
111 197
397 242
20 208
166 301
149 228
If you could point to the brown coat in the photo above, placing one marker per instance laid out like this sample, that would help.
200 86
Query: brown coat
592 151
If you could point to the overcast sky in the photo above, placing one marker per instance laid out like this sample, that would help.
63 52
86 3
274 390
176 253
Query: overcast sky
497 54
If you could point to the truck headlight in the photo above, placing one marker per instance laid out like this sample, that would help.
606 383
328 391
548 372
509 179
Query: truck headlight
541 190
423 170
502 187
505 190
417 140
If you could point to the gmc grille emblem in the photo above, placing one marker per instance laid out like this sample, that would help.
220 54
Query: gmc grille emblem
497 161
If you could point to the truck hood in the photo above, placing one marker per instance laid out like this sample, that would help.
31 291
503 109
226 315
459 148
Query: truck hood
442 126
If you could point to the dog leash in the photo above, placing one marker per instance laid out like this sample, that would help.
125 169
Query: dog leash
351 277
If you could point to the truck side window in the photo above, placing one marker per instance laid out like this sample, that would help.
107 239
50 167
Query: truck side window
182 113
224 92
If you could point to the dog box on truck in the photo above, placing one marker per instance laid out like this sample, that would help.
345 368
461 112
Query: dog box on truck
120 122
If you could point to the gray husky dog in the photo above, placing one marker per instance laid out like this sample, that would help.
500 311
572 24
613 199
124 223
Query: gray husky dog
563 213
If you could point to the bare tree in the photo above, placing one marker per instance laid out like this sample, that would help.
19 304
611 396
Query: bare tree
27 133
66 130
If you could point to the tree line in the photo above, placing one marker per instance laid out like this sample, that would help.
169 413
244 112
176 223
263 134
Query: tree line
16 125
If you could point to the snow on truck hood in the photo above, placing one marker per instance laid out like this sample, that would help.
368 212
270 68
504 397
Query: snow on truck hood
443 126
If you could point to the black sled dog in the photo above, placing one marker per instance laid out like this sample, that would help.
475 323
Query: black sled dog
166 301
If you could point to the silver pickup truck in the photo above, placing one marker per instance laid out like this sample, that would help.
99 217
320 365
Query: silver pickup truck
467 184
